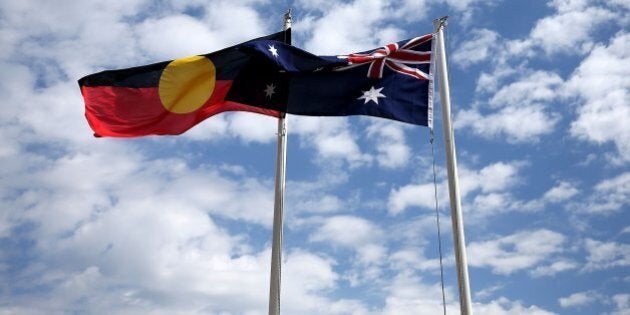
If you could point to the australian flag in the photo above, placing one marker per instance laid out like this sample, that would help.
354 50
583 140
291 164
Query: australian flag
393 82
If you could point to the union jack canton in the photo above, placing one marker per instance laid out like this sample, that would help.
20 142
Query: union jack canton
395 57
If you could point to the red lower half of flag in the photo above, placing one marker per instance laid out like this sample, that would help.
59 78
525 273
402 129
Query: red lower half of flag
115 111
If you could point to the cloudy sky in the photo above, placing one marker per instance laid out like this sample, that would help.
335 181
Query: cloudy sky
182 225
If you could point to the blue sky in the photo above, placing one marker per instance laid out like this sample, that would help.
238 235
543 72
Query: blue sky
182 225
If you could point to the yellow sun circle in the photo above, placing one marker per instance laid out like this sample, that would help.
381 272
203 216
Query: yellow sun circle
186 84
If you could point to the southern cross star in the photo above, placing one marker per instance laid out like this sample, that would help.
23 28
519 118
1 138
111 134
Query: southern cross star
372 95
270 90
273 50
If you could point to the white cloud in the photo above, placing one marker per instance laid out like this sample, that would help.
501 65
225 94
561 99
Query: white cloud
316 5
65 34
305 277
349 307
347 231
462 5
416 231
508 122
538 87
332 138
247 127
504 306
600 83
319 195
609 196
570 30
490 202
253 127
43 18
411 196
492 81
489 181
329 36
517 110
409 259
212 129
221 15
487 292
317 203
563 191
411 10
174 36
340 145
468 8
605 255
113 262
59 102
178 35
363 237
481 46
407 294
389 139
620 4
519 251
494 177
487 189
554 268
578 299
205 282
622 304
148 246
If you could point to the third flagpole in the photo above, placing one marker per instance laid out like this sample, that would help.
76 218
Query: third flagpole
459 242
281 162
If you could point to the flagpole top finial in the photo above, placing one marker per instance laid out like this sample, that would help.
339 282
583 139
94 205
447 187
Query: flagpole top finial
440 22
287 19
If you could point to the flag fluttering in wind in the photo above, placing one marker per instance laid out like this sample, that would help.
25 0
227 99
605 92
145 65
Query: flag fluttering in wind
263 76
167 98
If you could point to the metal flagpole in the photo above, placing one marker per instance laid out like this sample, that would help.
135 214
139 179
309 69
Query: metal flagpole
281 163
451 165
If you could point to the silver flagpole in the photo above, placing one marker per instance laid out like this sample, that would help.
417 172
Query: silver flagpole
276 248
451 165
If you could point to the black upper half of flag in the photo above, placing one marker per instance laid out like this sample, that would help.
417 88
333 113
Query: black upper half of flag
229 61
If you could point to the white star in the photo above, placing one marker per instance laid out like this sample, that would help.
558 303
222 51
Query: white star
270 90
371 95
273 51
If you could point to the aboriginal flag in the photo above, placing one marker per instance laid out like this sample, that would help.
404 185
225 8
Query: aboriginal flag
168 98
